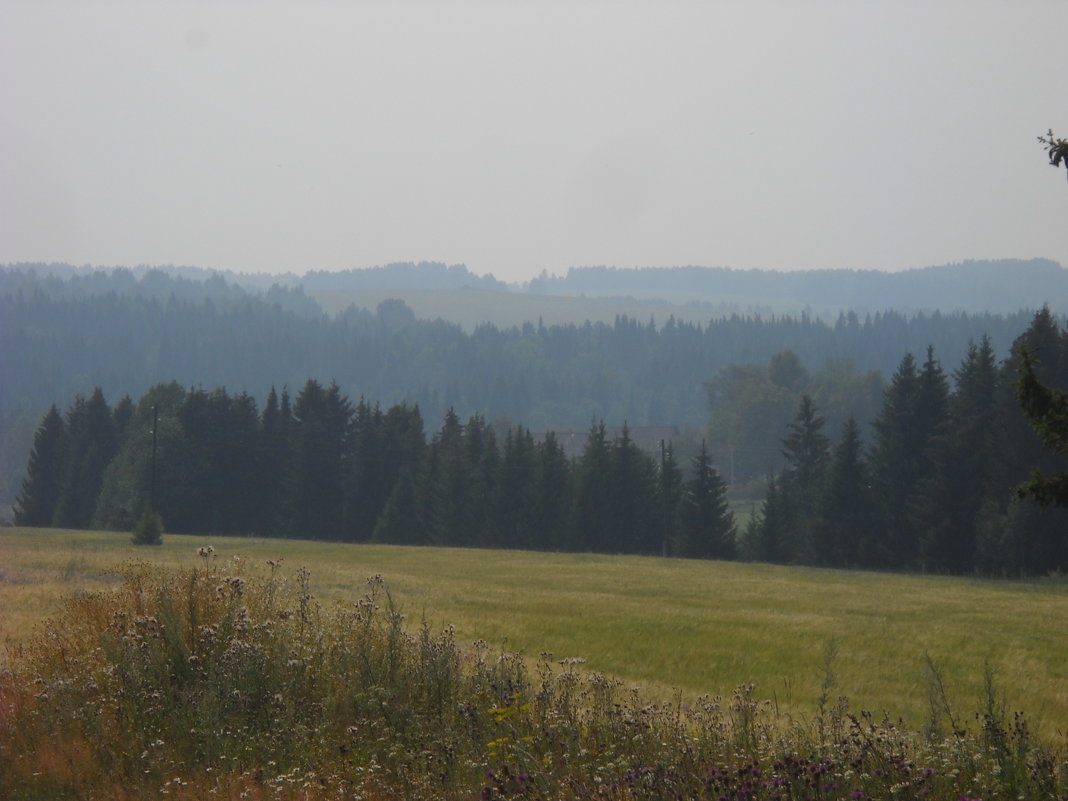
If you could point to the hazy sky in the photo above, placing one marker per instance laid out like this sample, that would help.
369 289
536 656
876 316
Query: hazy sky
516 137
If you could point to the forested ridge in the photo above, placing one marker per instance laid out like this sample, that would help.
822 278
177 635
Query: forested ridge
996 285
934 490
62 337
742 376
64 333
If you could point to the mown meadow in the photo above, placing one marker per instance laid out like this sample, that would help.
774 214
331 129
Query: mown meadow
646 658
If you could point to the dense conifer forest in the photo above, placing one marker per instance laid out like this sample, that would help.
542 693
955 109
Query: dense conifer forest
64 331
933 491
280 420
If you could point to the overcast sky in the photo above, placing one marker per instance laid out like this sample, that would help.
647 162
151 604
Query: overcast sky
515 137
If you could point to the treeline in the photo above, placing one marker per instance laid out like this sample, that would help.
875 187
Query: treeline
126 334
186 284
321 467
398 275
936 489
128 330
401 275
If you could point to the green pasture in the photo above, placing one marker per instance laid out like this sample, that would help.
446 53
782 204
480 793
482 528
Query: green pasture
663 624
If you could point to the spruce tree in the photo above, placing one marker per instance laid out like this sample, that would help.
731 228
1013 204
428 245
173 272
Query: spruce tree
238 454
767 536
591 526
121 416
482 459
275 458
401 522
913 414
367 485
807 451
963 456
125 491
633 511
669 493
1037 540
707 528
554 485
383 444
37 502
842 533
514 505
91 447
149 529
446 483
1046 407
321 419
212 484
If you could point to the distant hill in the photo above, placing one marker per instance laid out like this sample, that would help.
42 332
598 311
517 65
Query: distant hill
398 275
454 293
1000 286
694 294
402 275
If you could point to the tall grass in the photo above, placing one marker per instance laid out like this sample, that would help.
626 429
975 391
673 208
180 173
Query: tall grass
232 680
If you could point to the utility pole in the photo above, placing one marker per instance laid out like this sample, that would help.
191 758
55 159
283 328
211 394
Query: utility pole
155 439
664 495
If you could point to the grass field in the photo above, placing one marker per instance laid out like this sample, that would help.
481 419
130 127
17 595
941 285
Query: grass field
698 627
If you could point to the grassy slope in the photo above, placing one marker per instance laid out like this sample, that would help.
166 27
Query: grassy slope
696 626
